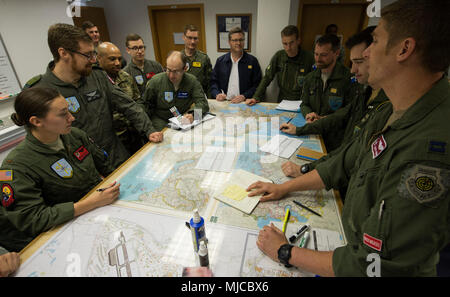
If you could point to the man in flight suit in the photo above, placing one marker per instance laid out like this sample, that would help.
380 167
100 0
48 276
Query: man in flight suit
290 65
396 214
198 63
92 97
175 88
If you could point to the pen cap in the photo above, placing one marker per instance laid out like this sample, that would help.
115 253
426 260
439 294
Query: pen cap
196 218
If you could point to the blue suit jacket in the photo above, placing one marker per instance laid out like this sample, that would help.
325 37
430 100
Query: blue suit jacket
249 75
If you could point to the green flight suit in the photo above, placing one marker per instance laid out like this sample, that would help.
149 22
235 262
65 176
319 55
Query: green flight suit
200 66
398 197
290 72
92 102
325 101
336 95
160 96
349 123
143 76
45 184
128 135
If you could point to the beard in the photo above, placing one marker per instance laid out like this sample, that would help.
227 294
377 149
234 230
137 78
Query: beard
83 70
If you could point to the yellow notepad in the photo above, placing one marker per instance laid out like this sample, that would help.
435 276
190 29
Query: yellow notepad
233 191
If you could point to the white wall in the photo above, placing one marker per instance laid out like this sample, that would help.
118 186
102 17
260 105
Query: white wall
124 17
24 25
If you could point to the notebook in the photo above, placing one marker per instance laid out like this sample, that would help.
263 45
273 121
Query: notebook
233 192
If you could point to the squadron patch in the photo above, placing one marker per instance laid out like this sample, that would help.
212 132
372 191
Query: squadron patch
62 168
139 79
74 105
7 195
426 185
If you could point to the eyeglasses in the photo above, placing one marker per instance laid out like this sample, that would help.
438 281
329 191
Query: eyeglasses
89 56
237 40
136 48
178 71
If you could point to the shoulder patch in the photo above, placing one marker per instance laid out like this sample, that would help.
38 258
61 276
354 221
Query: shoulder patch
6 175
425 184
33 81
7 195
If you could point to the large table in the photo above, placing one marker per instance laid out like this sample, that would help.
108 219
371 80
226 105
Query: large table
144 232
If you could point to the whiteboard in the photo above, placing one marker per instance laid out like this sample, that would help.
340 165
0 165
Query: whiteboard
9 83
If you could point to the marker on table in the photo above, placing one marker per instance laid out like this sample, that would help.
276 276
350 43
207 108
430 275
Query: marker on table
286 218
307 208
304 240
299 233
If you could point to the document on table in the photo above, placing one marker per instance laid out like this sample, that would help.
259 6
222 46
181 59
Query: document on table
282 146
289 105
177 122
213 160
234 191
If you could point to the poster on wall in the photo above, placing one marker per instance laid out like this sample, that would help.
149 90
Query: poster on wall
225 22
9 82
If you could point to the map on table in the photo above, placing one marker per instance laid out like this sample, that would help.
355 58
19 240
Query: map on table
144 233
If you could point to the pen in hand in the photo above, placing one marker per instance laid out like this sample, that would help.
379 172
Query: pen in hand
283 128
106 188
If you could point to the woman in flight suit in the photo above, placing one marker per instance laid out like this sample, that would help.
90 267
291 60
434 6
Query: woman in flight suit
47 174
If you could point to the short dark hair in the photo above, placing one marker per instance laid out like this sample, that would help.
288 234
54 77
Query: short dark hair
132 37
65 36
427 22
190 27
327 29
290 30
87 25
360 37
330 39
32 102
234 31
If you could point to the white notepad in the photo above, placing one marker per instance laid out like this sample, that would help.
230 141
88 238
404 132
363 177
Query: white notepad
282 146
289 105
233 192
176 122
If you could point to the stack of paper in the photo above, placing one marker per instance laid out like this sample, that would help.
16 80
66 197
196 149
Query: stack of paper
178 123
234 191
289 105
212 160
282 146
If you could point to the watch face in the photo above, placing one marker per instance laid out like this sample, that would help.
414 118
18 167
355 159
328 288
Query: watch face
284 253
304 169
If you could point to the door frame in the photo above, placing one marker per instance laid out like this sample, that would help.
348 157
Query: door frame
155 37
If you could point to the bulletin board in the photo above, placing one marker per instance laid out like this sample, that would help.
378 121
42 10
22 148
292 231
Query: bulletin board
9 82
225 22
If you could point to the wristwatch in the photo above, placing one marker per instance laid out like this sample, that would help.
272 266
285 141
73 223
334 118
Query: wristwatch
284 254
305 169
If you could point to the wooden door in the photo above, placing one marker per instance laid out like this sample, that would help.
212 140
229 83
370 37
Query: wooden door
314 16
167 24
97 16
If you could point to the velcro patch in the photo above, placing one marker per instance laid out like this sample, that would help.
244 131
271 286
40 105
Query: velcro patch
7 195
6 175
81 153
372 242
437 147
424 184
